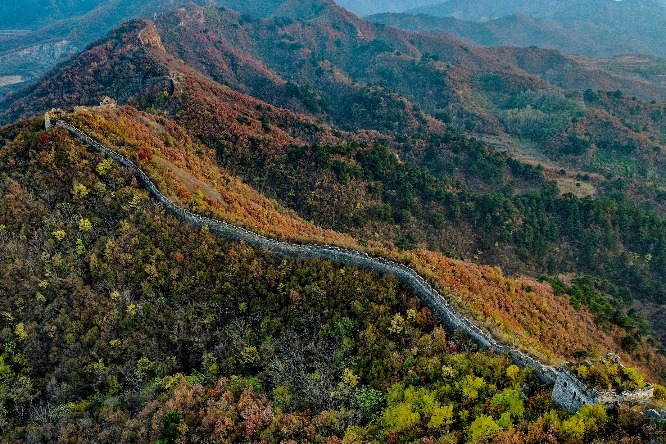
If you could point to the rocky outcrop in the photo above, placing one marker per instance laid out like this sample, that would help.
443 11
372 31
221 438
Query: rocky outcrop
657 416
34 58
149 36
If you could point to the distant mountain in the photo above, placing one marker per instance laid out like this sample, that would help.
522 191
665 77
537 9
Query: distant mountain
31 14
523 30
598 28
367 7
484 10
58 28
36 34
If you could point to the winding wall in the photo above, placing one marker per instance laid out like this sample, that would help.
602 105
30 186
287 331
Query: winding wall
430 297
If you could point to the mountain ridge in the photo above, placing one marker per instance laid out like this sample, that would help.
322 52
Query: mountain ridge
596 28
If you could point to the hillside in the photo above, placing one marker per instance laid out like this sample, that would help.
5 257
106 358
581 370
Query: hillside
120 323
181 183
414 184
234 344
206 338
596 28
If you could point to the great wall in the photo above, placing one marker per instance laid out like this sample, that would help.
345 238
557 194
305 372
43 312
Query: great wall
568 391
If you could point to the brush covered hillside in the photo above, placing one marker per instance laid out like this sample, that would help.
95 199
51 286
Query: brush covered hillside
314 126
121 324
597 28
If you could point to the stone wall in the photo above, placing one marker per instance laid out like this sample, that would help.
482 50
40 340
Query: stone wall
657 416
637 397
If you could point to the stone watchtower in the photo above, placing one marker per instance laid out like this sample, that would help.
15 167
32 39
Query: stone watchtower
572 394
108 102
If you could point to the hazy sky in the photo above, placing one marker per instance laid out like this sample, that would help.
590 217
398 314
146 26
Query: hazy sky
366 7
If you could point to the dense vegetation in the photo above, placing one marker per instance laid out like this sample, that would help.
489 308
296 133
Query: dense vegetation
235 345
537 228
543 322
121 325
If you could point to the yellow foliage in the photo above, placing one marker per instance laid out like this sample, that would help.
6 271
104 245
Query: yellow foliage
573 430
513 371
349 378
401 417
250 355
132 309
441 416
79 191
582 371
659 392
482 428
80 248
85 225
397 324
20 332
105 166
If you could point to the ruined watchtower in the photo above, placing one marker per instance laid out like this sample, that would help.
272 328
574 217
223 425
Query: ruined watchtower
108 102
570 393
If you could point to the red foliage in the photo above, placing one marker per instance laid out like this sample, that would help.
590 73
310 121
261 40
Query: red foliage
144 154
214 391
393 437
44 138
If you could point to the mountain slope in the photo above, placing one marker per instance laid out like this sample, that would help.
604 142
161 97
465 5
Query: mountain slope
461 280
122 325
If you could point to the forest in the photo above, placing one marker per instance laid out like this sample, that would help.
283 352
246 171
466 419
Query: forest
524 187
236 345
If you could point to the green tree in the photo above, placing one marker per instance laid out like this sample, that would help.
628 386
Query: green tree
483 427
